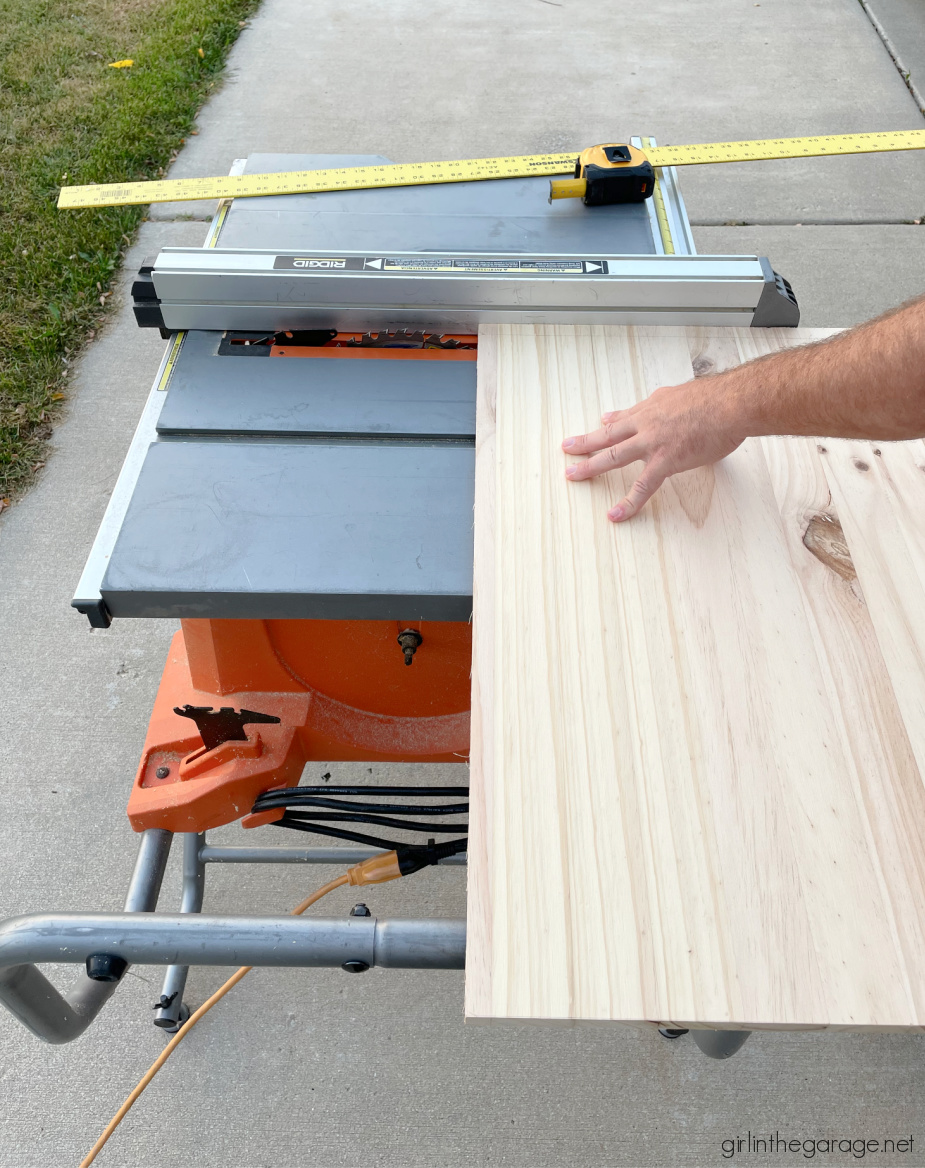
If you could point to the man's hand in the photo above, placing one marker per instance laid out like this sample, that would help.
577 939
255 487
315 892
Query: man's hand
677 428
866 383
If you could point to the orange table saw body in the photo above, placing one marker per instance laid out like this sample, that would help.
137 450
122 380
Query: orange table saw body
341 690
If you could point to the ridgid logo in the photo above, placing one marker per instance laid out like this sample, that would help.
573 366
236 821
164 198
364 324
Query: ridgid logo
310 263
319 263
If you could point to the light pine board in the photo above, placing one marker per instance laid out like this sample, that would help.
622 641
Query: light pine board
699 737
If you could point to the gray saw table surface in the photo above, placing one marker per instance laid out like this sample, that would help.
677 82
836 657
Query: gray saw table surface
325 488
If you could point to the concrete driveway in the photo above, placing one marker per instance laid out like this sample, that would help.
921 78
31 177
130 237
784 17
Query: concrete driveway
312 1067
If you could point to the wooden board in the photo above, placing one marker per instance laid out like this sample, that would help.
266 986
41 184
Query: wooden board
698 737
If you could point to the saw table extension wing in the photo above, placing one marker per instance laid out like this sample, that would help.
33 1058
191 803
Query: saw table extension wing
698 737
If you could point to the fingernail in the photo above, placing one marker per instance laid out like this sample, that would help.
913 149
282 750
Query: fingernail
615 514
567 443
570 471
608 416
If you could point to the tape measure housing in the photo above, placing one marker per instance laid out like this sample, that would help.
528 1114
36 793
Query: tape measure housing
614 173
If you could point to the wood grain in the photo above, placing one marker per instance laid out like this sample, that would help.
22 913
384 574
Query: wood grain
698 737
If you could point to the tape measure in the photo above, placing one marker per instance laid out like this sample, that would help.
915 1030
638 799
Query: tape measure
301 182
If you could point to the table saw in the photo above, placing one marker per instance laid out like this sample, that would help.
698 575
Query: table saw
299 495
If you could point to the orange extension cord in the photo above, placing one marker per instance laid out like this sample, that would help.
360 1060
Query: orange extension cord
376 870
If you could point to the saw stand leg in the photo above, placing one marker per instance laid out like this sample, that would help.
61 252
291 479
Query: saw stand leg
171 1012
720 1044
715 1044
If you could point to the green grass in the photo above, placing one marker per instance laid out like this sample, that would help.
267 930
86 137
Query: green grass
66 116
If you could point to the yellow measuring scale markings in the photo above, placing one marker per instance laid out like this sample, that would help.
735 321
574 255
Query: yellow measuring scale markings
300 182
469 170
768 148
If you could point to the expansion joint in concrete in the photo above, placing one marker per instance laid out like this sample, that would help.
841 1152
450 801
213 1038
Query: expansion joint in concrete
809 222
182 219
894 55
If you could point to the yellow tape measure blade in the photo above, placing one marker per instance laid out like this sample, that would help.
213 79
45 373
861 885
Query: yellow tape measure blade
314 181
468 170
774 148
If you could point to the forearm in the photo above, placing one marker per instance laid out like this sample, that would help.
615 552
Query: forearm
865 383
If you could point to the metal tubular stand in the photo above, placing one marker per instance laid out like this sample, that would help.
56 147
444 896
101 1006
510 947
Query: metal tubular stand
169 1013
178 939
109 942
114 940
145 886
31 997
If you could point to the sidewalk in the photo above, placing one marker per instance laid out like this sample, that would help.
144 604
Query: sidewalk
300 1068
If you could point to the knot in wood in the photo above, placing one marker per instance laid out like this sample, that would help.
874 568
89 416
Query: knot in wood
703 366
826 540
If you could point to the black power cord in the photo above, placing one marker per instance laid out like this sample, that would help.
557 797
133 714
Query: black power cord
266 802
411 857
426 792
378 820
323 807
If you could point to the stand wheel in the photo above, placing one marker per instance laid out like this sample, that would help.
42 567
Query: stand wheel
668 1032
